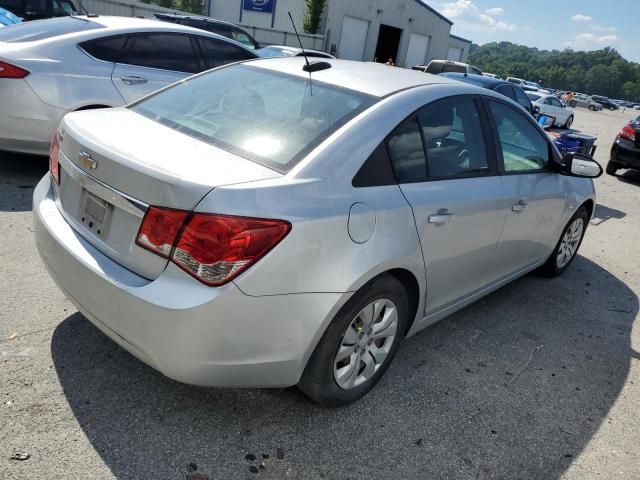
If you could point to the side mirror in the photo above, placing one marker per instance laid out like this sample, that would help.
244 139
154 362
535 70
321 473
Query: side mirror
578 165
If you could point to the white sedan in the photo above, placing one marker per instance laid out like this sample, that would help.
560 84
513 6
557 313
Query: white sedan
551 106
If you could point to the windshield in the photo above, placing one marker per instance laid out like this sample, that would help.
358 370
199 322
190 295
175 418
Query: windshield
44 29
8 18
270 52
267 117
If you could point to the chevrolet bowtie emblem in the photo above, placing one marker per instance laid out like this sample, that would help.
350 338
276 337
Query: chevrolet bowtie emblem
86 161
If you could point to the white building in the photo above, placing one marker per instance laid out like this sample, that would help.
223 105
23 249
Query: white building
408 31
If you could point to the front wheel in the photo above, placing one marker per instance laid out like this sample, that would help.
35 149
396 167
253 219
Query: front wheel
568 245
592 108
358 345
569 122
612 168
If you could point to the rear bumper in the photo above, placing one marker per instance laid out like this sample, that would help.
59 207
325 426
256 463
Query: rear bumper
625 154
26 123
189 332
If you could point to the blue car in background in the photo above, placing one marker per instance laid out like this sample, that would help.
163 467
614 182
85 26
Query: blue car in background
8 18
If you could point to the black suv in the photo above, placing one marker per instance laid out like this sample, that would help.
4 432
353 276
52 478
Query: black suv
625 152
38 9
605 102
225 29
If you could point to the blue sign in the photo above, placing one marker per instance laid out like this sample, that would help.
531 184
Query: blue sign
265 6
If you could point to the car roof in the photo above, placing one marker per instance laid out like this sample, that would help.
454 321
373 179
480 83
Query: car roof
479 80
367 77
197 17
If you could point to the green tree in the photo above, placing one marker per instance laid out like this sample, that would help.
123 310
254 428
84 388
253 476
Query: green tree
313 17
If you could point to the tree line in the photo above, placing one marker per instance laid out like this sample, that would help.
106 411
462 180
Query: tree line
600 72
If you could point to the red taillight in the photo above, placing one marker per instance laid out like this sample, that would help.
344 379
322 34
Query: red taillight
628 133
213 248
54 153
217 248
11 71
159 229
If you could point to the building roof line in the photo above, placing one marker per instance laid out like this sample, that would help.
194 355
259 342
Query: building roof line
433 10
460 38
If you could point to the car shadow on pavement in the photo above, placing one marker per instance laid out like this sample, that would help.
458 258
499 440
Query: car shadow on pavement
604 213
19 175
513 386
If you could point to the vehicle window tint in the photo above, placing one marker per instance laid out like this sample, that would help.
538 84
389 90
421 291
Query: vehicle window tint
268 117
506 90
475 71
555 102
109 49
523 147
453 138
436 68
63 7
407 152
43 29
243 38
522 98
161 50
219 53
36 6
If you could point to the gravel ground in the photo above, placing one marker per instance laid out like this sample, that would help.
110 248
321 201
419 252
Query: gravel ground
539 380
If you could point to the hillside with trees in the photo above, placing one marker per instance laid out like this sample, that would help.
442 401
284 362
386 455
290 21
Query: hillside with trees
601 72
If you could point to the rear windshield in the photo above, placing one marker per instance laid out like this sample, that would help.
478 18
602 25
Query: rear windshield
43 29
268 52
268 117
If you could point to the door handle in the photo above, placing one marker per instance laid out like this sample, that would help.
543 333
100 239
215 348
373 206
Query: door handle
440 218
521 206
133 80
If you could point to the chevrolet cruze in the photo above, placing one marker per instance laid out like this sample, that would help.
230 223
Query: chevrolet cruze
262 226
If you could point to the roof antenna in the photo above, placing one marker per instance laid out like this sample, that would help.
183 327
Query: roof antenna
313 66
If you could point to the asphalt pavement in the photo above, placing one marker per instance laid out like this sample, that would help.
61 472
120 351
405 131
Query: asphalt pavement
539 380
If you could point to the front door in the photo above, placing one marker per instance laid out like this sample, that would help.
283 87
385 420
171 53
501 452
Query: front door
536 194
152 61
441 162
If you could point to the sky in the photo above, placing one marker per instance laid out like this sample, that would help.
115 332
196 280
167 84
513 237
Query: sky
548 24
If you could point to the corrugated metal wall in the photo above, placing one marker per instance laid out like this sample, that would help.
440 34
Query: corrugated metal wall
396 13
465 46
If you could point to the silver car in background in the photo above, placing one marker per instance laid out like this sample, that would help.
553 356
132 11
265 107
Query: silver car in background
51 67
258 226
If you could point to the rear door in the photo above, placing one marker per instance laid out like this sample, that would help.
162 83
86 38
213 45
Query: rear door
152 61
449 178
536 194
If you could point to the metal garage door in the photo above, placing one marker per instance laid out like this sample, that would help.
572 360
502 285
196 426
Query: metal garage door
353 38
417 51
455 54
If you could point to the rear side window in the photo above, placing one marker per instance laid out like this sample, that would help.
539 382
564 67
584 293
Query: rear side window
44 29
243 38
506 90
453 136
163 51
522 98
407 152
218 53
524 148
435 68
475 71
108 49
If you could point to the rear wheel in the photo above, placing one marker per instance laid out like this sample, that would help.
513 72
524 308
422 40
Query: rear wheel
592 108
569 122
358 345
568 245
612 168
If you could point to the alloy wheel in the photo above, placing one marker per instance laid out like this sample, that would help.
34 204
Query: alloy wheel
570 241
366 344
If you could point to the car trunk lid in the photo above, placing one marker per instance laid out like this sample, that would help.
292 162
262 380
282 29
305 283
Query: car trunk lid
115 163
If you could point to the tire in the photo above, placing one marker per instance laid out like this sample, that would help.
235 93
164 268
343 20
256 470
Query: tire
320 378
554 266
569 122
612 168
613 109
592 108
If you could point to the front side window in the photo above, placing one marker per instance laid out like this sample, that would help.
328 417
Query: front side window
163 51
219 53
453 137
555 102
523 146
268 117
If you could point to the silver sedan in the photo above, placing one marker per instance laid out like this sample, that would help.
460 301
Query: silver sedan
51 67
255 226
